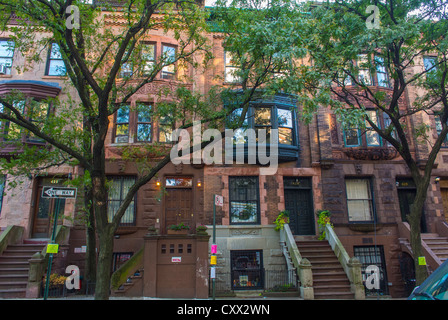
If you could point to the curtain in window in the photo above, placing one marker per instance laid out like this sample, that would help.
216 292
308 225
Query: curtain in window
359 200
119 188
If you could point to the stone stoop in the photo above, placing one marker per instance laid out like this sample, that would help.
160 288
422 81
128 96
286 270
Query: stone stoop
329 278
438 244
14 268
133 287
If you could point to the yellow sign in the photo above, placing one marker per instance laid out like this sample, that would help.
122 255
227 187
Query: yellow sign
213 260
421 261
52 248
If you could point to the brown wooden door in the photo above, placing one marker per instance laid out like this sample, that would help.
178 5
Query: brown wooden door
179 206
44 213
444 192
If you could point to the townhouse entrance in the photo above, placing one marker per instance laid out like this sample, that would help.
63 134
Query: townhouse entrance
406 194
179 201
299 204
45 208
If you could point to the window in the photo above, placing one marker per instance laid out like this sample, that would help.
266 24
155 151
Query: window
10 130
144 125
429 64
148 57
122 125
239 134
372 256
117 192
169 54
285 126
6 55
262 121
36 111
246 269
264 118
230 68
120 258
136 124
381 72
364 75
372 137
244 200
165 129
439 130
354 137
2 189
143 65
431 68
387 123
359 200
55 63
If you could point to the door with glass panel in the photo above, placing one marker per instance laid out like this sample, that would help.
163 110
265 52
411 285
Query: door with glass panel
45 209
179 201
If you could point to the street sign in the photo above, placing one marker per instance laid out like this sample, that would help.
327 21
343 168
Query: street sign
52 248
59 192
219 200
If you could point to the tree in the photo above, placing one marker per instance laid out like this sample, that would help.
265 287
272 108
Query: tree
347 46
94 53
106 65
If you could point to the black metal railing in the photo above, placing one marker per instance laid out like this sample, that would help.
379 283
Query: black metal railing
268 280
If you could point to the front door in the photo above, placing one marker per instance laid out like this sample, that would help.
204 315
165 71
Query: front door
45 208
406 198
299 204
179 201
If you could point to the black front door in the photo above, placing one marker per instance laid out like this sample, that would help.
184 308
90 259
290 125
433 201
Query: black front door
406 198
299 204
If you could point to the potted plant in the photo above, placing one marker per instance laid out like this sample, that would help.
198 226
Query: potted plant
201 229
282 218
180 228
323 218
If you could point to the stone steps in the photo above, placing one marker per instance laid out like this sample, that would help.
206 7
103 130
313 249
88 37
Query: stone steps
329 278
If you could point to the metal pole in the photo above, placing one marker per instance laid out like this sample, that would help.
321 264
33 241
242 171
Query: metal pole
53 235
214 239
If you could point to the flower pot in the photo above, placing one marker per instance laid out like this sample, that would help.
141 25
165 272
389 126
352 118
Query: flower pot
178 232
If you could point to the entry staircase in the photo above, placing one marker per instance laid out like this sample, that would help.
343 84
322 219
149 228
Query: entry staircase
324 268
14 267
435 245
329 278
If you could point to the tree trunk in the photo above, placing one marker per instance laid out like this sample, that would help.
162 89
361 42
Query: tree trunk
91 247
104 266
414 220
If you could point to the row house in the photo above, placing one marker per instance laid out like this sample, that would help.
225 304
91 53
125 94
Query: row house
352 173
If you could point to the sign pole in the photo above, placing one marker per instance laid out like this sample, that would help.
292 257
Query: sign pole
50 260
214 241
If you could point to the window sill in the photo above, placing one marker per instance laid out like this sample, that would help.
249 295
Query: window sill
286 152
55 77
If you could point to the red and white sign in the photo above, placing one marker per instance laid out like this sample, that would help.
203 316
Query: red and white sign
176 259
219 200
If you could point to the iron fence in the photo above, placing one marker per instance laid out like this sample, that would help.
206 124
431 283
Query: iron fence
269 281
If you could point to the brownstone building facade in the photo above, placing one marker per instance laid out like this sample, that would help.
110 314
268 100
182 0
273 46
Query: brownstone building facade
357 177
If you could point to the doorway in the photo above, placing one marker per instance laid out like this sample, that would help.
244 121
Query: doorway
299 204
406 194
179 201
45 208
